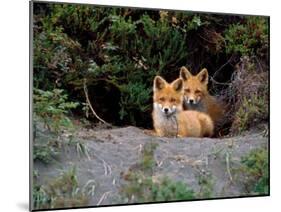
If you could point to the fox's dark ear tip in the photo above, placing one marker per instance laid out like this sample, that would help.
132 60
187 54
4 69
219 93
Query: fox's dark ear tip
184 73
178 84
203 76
204 71
159 82
156 77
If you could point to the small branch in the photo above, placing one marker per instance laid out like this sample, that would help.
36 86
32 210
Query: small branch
219 83
89 103
228 167
227 62
107 168
103 197
258 61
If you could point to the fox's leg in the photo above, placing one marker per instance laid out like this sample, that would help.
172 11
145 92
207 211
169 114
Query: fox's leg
207 125
180 136
159 132
182 130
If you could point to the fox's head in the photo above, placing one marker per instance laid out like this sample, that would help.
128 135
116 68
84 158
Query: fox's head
167 97
195 87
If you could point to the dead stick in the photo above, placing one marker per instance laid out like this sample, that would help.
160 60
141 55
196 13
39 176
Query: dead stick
103 197
228 166
89 103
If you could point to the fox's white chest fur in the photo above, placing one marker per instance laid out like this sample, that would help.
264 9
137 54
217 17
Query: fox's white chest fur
167 124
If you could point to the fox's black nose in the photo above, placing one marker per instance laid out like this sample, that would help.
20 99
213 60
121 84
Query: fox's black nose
191 101
166 110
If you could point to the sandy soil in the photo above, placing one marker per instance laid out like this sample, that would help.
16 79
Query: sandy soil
113 151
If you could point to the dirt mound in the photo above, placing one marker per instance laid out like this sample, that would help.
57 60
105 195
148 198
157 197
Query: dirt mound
112 152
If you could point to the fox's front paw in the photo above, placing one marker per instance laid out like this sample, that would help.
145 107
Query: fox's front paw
179 136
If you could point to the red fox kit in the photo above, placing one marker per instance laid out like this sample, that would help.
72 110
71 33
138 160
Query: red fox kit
169 119
196 95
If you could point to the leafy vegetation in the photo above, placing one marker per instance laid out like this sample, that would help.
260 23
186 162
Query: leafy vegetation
119 51
142 186
144 189
255 167
52 107
45 153
250 113
249 38
250 106
206 183
61 192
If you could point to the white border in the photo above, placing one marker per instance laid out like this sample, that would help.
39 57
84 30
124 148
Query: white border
14 90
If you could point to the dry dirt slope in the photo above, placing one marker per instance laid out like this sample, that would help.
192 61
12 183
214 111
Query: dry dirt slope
113 151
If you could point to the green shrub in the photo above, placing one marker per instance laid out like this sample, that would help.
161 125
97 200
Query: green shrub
51 107
44 152
61 192
142 186
120 50
255 165
206 183
55 55
250 92
248 38
134 99
104 45
251 112
167 190
147 162
40 198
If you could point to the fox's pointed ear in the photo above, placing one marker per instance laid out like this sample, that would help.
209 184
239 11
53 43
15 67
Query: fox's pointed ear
184 73
178 85
159 83
203 76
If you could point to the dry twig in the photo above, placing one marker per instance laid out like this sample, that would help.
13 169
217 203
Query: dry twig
89 103
103 197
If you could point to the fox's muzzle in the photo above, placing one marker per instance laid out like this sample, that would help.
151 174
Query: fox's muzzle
190 101
168 111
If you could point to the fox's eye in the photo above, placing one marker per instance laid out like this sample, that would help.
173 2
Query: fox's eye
198 91
172 99
162 99
187 90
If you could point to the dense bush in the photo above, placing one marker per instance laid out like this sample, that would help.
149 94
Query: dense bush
250 106
61 192
120 50
249 38
255 167
144 189
52 107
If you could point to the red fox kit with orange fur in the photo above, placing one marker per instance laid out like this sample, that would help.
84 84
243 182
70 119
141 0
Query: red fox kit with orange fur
196 95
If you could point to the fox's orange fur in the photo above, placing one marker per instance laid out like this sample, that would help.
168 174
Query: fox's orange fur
169 119
196 95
